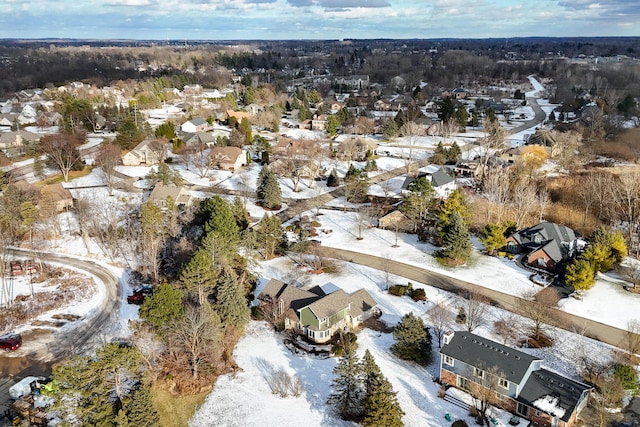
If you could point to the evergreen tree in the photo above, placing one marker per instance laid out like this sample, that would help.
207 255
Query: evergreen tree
240 213
413 340
456 242
380 405
163 306
347 393
269 236
231 303
199 276
129 134
165 174
139 407
461 116
492 237
332 125
447 109
390 131
92 389
454 153
416 204
456 201
268 193
245 129
333 180
580 274
219 218
439 156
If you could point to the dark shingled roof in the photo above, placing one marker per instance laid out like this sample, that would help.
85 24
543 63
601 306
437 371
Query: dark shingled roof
543 383
555 239
485 354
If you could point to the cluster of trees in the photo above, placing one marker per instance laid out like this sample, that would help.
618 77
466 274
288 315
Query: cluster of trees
605 250
111 388
362 393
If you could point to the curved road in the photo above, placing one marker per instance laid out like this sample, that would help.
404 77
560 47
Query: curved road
85 336
596 330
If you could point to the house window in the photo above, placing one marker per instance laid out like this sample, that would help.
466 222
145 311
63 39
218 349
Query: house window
463 383
504 383
478 373
448 360
523 409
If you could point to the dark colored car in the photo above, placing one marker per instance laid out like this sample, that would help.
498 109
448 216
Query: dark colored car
139 295
10 342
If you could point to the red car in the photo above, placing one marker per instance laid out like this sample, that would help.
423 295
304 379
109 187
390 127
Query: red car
139 295
10 341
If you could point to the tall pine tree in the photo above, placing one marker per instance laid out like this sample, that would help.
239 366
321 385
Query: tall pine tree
381 407
347 387
456 242
268 193
231 303
199 276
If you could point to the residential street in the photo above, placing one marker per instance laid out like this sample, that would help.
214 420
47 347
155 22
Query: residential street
590 328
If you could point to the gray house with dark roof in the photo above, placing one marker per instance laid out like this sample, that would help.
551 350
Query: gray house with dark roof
440 180
546 244
525 388
315 314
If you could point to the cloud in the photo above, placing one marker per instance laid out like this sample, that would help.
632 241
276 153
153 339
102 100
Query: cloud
350 4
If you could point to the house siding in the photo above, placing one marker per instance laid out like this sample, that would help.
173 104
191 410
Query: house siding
307 318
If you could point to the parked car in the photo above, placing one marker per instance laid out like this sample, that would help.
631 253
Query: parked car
10 342
30 266
16 268
139 295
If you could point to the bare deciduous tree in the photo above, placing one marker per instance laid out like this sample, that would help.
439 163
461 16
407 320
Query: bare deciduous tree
496 191
107 159
522 196
198 334
508 326
441 320
411 131
62 150
476 308
542 310
492 142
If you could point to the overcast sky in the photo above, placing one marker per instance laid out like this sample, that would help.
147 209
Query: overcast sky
316 19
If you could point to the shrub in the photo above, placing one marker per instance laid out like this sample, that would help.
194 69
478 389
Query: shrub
627 375
419 294
398 290
459 423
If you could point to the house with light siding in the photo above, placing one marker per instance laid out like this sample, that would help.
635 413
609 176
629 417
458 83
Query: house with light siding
316 314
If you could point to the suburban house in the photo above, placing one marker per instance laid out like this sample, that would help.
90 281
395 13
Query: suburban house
395 220
441 181
525 388
227 158
455 93
16 139
148 152
161 193
511 155
199 138
319 122
314 313
285 146
59 197
238 115
194 125
546 244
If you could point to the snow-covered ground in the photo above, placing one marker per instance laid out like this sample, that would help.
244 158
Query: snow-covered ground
245 399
